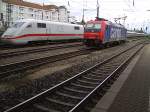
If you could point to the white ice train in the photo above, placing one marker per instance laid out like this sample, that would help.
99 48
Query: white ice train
27 30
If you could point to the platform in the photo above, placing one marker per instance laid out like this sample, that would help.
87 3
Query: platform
130 92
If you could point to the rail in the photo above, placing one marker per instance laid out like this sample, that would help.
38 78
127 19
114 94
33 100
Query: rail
72 94
22 52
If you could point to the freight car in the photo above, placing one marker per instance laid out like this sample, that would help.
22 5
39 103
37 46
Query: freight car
102 32
29 30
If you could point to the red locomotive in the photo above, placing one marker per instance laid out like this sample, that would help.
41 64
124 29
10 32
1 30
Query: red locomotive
102 32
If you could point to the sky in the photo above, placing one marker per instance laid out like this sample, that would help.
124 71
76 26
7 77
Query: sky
136 12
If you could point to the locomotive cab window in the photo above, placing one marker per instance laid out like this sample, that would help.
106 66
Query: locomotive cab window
97 26
93 26
17 25
29 26
41 25
77 28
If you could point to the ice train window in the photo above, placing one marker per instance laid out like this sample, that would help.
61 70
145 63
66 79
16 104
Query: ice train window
77 28
29 26
17 24
41 25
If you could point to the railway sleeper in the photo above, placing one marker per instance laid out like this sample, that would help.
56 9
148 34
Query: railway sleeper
76 93
89 78
69 96
42 108
87 82
95 76
106 73
111 63
64 98
104 68
60 102
73 90
50 106
100 72
102 77
107 65
118 60
82 86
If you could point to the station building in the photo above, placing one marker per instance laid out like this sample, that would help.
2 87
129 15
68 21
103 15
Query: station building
12 10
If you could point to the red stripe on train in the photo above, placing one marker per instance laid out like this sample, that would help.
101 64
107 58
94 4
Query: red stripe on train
34 35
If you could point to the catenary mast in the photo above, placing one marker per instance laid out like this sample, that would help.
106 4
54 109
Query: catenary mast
97 9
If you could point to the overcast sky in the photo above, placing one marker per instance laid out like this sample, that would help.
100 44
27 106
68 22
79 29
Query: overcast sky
137 14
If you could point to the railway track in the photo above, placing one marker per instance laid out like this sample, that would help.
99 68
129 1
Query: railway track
22 52
39 49
17 67
73 94
3 46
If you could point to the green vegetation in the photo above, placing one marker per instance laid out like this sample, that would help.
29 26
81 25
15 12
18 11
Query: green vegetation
148 36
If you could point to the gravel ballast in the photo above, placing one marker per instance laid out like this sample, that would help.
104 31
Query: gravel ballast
31 85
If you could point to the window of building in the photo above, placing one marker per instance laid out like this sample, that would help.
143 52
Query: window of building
41 25
53 13
1 16
39 11
77 28
46 12
30 9
21 8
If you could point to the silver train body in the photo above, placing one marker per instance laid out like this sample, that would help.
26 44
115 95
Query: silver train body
27 30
